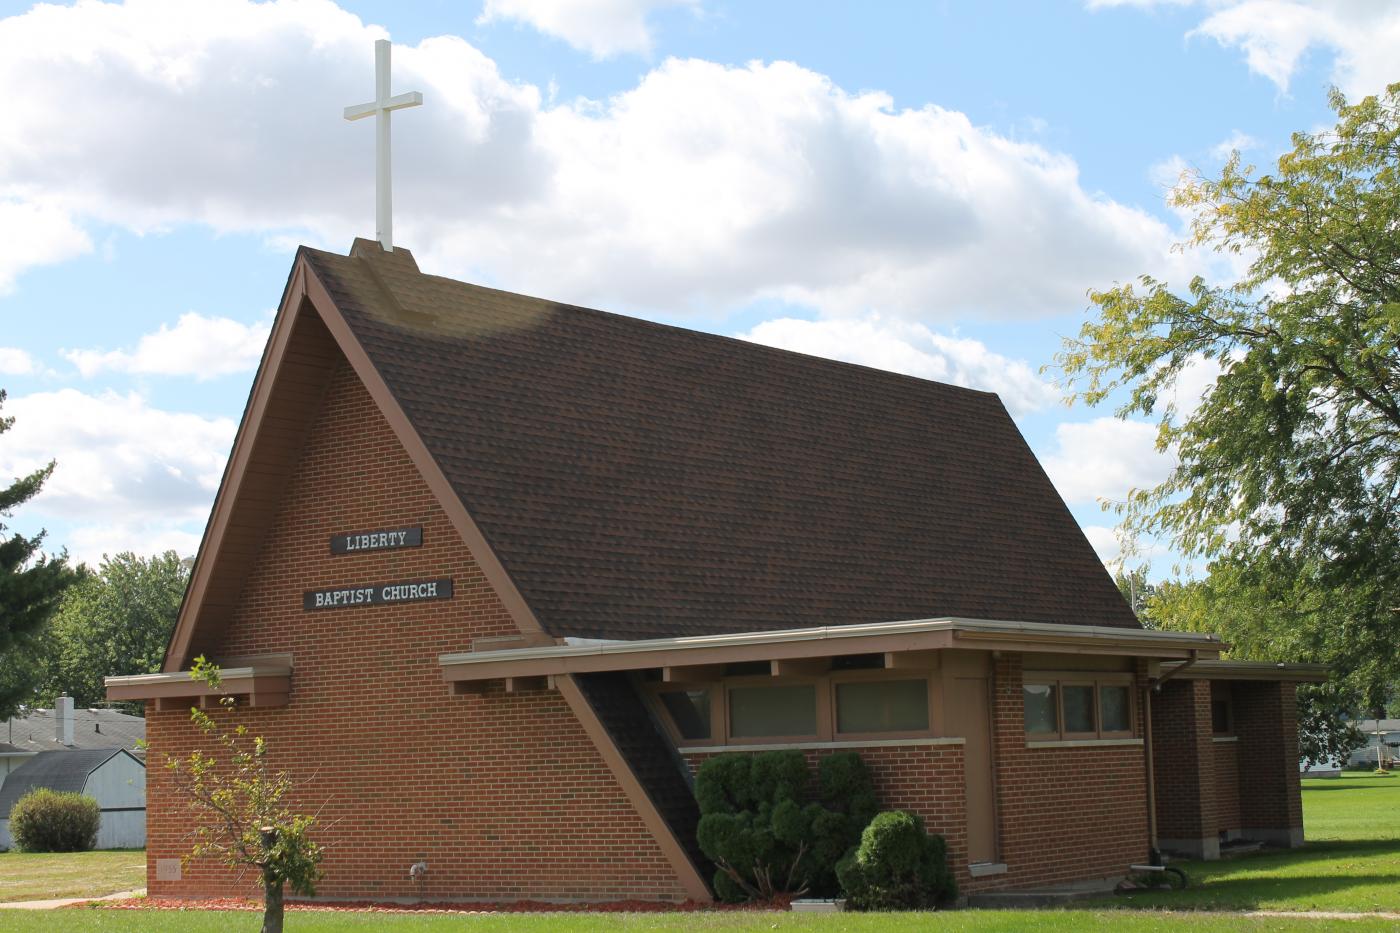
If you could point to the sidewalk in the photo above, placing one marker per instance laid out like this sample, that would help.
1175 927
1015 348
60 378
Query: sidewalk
70 901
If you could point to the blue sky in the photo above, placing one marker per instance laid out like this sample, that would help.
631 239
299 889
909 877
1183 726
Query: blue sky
927 187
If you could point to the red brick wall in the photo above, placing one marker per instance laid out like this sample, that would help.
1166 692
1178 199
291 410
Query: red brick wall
1064 814
503 795
1184 761
923 779
1227 786
1266 721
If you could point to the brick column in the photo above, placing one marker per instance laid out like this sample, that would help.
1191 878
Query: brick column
1271 797
1183 761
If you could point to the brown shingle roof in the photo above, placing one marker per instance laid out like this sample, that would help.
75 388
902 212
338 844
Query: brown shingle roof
640 480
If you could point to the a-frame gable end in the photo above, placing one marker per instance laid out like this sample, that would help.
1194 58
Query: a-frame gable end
309 337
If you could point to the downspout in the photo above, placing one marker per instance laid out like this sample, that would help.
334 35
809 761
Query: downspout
1154 854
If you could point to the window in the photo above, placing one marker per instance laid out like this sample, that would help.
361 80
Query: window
1115 709
1078 706
1078 703
1220 723
882 706
773 712
1042 709
690 711
722 707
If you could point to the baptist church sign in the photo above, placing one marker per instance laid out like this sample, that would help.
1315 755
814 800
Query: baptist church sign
374 594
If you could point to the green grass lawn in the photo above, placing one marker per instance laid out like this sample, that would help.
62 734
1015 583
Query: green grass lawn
1351 861
1351 864
43 875
967 921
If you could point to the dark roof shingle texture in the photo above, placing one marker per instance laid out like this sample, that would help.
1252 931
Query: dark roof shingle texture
639 480
65 770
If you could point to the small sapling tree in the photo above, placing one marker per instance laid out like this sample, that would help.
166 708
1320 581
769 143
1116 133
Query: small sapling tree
243 818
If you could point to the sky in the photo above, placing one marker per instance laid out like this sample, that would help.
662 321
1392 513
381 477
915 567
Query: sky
928 187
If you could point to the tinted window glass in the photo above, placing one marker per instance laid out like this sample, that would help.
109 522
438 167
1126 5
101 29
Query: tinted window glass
1114 712
773 711
882 706
1078 702
1040 709
1220 717
690 711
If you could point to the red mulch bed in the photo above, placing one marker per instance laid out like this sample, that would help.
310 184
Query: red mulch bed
439 907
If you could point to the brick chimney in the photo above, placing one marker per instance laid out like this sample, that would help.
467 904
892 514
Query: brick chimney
63 720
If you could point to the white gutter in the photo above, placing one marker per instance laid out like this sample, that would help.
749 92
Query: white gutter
973 627
185 677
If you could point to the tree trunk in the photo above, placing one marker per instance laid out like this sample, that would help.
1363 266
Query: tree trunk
272 906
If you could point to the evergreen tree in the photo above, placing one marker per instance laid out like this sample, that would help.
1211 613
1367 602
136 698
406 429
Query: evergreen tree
31 583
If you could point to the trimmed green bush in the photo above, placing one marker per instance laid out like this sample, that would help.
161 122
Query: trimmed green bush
46 820
764 833
898 866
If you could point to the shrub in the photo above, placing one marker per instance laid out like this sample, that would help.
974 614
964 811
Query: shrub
45 820
764 834
898 866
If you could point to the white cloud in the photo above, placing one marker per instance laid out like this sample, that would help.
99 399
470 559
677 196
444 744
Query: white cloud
1237 141
703 186
1104 459
600 27
120 462
91 543
15 362
1104 540
40 233
203 347
1275 35
912 349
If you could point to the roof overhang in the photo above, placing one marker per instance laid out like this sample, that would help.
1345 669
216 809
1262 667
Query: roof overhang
1248 670
263 685
824 641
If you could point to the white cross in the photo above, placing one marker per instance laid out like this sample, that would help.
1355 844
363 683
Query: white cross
381 107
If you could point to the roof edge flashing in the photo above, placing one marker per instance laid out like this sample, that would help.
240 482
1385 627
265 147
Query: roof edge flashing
988 630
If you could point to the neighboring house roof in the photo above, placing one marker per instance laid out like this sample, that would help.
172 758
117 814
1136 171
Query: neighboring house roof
1386 725
66 770
35 731
639 480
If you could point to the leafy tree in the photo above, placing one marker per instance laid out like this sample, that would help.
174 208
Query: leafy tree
1288 471
116 621
30 586
243 816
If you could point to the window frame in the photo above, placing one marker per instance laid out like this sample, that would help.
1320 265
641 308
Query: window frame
837 678
721 733
761 680
1095 679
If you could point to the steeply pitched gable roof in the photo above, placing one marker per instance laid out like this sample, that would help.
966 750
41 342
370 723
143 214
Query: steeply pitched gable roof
639 480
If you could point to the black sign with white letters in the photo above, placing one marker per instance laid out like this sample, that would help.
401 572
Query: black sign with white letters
375 594
386 539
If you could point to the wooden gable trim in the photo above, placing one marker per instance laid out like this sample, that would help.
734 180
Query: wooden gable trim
305 293
236 470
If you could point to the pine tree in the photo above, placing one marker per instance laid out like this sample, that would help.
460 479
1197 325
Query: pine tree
31 583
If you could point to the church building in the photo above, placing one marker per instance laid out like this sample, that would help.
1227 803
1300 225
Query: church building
493 575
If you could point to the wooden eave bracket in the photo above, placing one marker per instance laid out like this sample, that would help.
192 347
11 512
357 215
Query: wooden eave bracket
253 687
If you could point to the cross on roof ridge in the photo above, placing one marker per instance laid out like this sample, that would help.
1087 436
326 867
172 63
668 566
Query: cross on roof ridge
381 107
